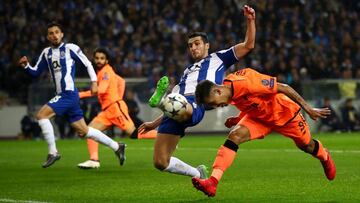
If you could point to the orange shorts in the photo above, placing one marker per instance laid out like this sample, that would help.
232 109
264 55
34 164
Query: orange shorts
116 114
297 129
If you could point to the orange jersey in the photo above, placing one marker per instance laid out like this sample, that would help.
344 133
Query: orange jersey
256 95
111 87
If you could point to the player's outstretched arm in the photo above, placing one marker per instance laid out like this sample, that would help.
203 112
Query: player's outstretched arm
243 48
314 113
39 67
147 126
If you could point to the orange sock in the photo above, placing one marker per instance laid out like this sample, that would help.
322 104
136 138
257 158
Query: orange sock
93 148
224 158
148 135
319 151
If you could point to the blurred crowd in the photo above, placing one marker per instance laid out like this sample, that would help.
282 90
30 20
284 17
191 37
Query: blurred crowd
296 40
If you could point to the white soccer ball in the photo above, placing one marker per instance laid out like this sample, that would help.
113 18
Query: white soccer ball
174 105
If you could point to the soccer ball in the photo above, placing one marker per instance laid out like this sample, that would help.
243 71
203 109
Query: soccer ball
174 105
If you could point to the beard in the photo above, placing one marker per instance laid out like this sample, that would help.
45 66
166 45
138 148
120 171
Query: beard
56 44
100 65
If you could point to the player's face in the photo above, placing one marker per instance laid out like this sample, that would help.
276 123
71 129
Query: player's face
198 48
216 99
55 35
100 60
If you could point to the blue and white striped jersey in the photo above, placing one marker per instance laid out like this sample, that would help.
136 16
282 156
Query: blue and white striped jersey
61 62
211 68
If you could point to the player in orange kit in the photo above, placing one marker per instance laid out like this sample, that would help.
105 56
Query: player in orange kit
266 105
114 109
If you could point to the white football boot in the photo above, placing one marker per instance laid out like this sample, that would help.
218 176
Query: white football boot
89 164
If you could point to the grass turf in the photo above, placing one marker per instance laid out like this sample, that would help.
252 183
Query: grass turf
269 170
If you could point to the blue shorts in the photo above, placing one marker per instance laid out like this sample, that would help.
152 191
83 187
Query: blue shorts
67 104
170 126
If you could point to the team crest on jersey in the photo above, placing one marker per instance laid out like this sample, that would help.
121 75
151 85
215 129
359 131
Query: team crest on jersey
106 76
62 54
265 82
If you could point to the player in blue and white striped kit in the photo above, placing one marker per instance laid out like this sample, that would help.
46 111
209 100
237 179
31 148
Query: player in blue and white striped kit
60 60
210 67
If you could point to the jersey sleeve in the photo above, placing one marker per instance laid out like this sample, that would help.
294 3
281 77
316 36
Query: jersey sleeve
121 86
80 57
39 67
249 81
228 57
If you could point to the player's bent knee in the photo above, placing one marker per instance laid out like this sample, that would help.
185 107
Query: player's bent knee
239 135
309 148
161 164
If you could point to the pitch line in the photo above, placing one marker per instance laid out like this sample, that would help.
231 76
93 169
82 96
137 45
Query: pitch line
20 201
246 150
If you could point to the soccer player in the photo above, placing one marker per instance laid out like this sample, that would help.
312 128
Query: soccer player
206 66
61 59
110 93
266 105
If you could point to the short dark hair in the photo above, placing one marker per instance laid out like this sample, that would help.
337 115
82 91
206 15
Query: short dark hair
203 90
203 36
103 51
52 24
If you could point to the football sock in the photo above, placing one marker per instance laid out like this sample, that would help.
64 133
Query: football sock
148 135
319 151
98 136
48 132
179 167
93 148
224 158
134 134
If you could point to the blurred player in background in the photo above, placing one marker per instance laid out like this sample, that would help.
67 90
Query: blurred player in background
60 59
110 94
265 106
206 66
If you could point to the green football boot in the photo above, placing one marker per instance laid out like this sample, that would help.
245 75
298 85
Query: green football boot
161 88
204 173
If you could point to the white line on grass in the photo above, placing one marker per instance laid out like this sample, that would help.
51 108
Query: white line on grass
20 201
250 150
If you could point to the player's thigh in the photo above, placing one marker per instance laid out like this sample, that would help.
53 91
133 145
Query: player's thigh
165 144
255 128
101 122
298 130
98 125
45 112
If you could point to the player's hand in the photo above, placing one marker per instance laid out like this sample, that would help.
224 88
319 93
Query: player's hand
249 12
231 121
94 88
23 61
146 126
316 113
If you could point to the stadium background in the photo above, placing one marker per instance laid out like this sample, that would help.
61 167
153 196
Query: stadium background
312 45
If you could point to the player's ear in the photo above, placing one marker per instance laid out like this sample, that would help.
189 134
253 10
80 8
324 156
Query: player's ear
217 91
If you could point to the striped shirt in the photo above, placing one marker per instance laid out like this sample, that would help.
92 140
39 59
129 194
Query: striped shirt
211 68
60 62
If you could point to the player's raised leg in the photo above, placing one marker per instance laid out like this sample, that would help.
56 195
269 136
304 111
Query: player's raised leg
298 130
165 144
317 150
161 88
43 116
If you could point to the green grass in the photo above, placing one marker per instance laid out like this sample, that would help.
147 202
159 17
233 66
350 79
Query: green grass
269 170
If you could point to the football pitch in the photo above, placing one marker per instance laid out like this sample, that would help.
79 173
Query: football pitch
268 170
